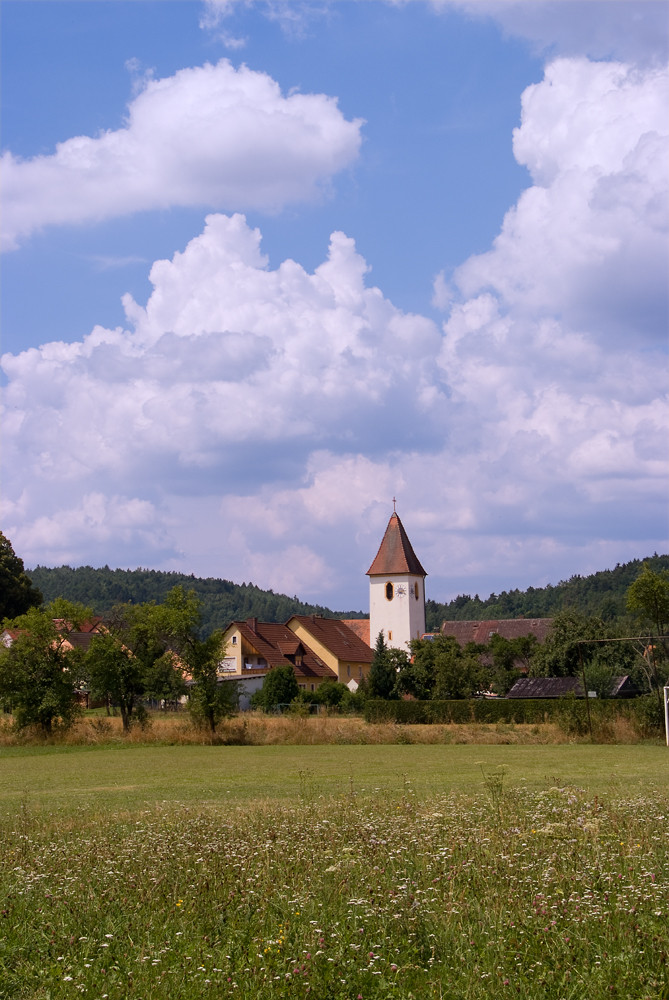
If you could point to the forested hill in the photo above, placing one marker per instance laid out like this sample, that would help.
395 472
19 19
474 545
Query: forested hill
222 601
601 594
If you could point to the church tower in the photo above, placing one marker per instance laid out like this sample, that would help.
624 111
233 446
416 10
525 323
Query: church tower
396 590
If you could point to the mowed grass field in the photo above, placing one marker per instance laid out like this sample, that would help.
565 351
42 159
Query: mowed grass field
369 871
128 777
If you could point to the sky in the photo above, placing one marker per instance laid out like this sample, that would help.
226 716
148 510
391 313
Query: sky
267 266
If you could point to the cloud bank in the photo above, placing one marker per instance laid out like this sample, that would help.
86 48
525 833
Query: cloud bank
210 136
248 419
635 31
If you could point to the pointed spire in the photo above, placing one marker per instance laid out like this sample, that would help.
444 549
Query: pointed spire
395 553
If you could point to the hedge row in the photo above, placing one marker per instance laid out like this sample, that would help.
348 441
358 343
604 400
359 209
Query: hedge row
530 710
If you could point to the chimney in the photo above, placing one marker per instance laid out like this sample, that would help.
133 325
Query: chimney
252 624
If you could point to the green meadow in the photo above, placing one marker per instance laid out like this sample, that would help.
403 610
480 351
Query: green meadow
446 871
128 777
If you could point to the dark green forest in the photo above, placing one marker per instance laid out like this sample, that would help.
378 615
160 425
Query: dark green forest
601 594
222 601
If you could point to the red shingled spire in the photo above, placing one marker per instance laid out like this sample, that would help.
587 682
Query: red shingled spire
395 553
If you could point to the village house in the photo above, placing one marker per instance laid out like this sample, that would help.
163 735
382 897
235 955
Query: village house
253 648
318 649
337 644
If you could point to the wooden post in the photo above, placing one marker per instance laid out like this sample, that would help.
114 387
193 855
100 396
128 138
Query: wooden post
585 690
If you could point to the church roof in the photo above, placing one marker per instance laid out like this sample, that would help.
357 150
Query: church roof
395 553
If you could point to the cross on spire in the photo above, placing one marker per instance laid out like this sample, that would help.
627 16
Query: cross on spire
394 502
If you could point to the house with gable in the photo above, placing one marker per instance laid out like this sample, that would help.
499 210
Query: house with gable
336 644
253 648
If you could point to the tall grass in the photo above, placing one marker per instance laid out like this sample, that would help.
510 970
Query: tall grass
258 729
503 892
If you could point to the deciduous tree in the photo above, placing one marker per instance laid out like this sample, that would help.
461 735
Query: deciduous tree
17 593
128 663
39 670
211 699
648 599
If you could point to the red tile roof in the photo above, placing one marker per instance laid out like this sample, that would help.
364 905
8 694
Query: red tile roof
508 628
89 626
276 643
360 626
337 637
395 553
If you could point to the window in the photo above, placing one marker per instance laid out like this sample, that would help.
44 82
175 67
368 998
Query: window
416 592
234 640
390 636
348 669
389 591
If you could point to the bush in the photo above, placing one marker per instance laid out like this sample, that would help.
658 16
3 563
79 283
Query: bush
330 693
570 714
648 715
353 702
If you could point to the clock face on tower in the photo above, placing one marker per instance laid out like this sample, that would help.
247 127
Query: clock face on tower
401 590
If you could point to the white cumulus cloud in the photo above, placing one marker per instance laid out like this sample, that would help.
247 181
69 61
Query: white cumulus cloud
213 135
253 422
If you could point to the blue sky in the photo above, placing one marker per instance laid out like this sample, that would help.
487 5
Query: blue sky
269 265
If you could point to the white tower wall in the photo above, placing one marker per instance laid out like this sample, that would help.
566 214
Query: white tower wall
401 617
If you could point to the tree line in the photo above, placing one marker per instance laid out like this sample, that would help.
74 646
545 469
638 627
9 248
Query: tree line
602 595
221 601
144 652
